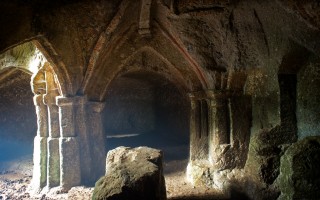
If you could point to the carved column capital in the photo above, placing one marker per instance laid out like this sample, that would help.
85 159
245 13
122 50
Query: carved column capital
69 101
38 100
49 99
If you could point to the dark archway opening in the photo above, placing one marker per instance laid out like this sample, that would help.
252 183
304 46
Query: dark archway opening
18 120
288 79
145 109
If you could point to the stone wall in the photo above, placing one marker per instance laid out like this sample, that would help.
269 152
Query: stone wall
129 108
299 170
308 97
138 106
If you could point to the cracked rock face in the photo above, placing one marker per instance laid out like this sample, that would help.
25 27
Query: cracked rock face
299 170
132 173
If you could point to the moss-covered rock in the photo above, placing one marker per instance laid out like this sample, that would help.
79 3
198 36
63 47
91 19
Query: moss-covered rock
299 171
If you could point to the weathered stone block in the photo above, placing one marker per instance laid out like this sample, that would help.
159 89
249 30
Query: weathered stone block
39 179
53 163
70 173
299 171
132 174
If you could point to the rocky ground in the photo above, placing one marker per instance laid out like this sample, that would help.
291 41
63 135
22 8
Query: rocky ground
178 187
15 176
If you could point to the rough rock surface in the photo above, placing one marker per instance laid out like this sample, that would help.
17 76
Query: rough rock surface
299 171
132 174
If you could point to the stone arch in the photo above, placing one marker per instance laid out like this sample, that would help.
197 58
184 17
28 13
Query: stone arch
56 64
56 145
161 66
17 57
112 52
179 76
56 135
48 83
142 104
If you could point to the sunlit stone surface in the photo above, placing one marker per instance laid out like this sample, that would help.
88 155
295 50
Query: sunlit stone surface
132 173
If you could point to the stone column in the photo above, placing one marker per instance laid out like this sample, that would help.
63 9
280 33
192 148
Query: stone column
199 164
39 179
220 130
53 161
98 146
84 137
70 171
220 120
199 123
193 128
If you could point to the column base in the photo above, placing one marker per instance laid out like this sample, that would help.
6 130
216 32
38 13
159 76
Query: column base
70 171
39 178
53 170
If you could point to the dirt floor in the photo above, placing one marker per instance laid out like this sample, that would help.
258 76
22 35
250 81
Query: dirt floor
15 175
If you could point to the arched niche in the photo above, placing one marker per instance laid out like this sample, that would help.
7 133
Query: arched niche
17 116
31 84
144 108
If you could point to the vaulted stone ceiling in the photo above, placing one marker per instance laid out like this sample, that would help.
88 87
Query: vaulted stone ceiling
208 38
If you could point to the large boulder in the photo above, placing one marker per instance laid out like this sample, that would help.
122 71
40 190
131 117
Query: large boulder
132 173
299 171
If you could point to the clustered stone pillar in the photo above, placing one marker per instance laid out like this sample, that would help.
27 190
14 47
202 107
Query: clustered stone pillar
53 160
70 145
40 145
69 148
220 119
199 128
219 134
209 123
209 131
70 172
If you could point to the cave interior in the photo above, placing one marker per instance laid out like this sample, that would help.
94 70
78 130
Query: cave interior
230 89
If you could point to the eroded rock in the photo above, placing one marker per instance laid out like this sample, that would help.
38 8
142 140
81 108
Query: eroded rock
299 170
132 173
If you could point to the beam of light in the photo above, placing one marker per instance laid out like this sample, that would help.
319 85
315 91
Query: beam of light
36 61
